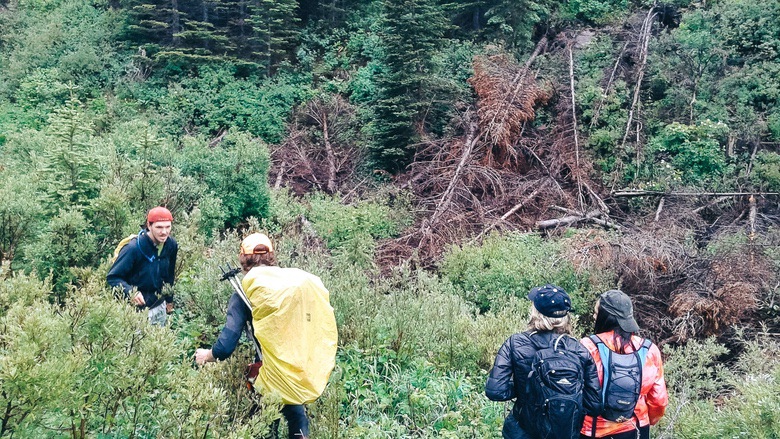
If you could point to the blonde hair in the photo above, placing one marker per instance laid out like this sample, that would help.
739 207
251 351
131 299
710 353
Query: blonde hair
540 322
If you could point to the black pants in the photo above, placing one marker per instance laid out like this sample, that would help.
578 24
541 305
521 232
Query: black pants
644 433
297 423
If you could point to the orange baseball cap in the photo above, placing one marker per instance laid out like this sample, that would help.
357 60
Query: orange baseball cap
251 242
159 213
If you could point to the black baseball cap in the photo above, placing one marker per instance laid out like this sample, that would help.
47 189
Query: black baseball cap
550 300
618 304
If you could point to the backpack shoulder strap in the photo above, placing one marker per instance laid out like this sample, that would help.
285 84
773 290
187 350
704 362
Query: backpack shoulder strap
605 353
141 250
643 350
558 340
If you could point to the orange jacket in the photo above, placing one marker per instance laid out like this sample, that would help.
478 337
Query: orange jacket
653 398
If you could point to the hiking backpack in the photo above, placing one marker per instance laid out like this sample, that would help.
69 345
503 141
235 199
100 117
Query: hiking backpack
553 409
622 383
126 240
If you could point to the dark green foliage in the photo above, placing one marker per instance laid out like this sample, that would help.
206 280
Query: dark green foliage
20 214
47 47
766 173
215 99
692 155
66 242
275 25
597 12
411 32
70 167
236 168
515 22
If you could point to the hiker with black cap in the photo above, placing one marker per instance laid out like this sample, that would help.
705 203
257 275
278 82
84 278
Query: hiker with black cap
550 374
630 370
144 266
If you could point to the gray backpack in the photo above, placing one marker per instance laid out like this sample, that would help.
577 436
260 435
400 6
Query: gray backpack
622 380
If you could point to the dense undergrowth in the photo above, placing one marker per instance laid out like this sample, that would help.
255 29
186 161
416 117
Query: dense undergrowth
407 160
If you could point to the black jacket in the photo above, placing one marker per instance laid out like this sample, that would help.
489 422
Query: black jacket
237 317
510 371
139 266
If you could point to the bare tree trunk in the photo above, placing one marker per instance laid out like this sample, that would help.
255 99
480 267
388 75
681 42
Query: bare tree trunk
580 197
659 209
331 184
644 41
278 182
447 195
637 193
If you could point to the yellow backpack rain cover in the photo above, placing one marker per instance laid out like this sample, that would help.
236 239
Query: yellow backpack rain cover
296 328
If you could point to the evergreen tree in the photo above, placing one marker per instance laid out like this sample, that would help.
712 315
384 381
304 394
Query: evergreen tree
199 35
153 21
411 32
276 29
71 168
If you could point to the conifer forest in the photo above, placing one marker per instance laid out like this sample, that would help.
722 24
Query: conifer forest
429 160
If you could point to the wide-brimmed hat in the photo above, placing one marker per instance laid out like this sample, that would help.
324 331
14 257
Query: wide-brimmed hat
618 304
550 300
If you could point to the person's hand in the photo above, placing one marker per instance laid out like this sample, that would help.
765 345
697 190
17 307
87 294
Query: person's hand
169 307
138 300
203 356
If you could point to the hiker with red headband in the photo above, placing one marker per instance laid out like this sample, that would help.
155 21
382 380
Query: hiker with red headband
144 266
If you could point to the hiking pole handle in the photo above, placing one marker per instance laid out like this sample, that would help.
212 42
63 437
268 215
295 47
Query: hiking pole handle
229 275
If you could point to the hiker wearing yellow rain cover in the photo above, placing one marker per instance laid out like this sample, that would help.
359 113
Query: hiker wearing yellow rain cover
294 325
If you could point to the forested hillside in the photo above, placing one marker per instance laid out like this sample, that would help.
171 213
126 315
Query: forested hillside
430 160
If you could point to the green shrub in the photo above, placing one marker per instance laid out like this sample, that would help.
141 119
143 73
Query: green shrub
509 266
235 170
766 173
337 223
20 212
93 367
66 242
750 407
381 399
688 154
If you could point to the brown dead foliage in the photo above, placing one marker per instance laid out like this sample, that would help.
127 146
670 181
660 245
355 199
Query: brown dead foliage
507 97
500 173
319 151
701 314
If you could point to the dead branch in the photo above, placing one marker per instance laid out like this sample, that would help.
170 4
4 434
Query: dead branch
279 175
447 195
659 209
639 193
574 128
558 222
752 217
507 96
644 41
710 204
575 217
510 212
220 136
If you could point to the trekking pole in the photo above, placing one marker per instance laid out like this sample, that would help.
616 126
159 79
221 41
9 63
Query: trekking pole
229 273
